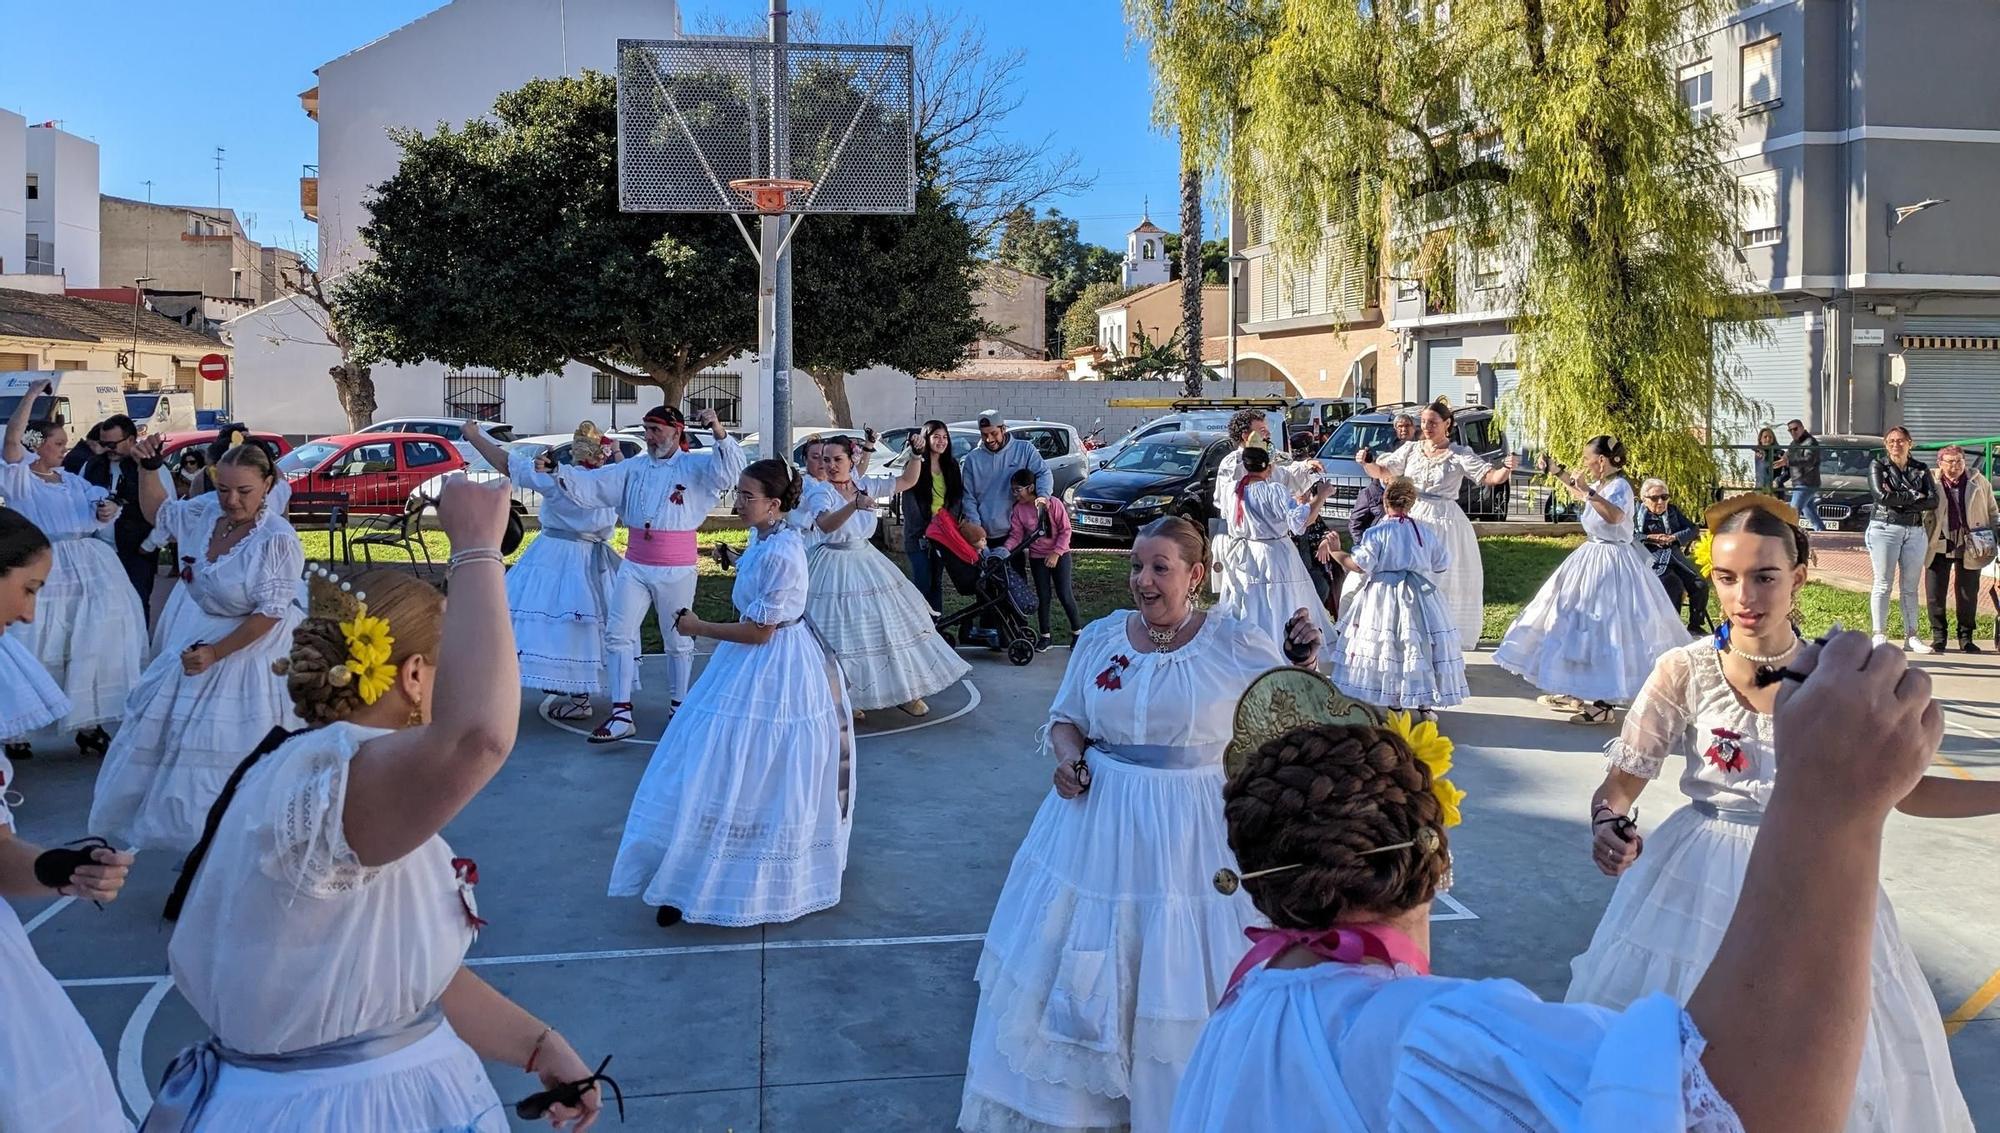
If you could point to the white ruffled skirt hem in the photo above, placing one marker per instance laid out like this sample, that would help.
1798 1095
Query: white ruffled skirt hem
1595 627
558 599
879 626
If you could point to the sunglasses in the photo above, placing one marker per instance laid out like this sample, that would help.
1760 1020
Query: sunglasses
1656 499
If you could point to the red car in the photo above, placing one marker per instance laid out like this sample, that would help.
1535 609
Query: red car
375 471
172 443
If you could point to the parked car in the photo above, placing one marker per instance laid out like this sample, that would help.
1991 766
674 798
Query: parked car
1472 426
172 443
1162 474
450 428
1321 415
527 501
1845 499
1184 420
375 471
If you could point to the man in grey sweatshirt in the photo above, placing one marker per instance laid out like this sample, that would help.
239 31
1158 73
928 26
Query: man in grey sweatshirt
989 475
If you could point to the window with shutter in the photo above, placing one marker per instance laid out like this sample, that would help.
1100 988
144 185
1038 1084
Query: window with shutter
1760 208
1761 74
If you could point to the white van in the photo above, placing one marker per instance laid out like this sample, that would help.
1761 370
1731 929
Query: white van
84 397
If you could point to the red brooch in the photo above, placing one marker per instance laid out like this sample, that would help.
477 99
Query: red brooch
1108 679
680 494
1727 750
466 872
187 568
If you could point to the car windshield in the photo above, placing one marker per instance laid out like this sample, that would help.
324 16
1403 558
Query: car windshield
306 457
1355 434
1846 461
1161 458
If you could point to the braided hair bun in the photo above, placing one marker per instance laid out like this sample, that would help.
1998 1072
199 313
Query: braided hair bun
322 691
1319 798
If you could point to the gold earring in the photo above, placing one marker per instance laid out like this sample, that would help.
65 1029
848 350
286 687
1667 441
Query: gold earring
417 712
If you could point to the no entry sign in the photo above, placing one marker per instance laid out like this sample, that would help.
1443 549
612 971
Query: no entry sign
214 367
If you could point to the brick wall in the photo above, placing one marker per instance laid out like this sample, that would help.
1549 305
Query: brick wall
1082 404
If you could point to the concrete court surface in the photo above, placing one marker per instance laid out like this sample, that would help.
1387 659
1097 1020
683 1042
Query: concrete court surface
857 1018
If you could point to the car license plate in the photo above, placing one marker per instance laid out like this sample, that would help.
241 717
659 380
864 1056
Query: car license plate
1093 520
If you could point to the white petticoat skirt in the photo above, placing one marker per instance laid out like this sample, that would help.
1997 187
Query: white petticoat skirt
1595 627
1269 584
558 597
744 812
29 698
89 632
55 1079
435 1084
1107 951
1666 920
1397 647
184 735
1464 581
879 626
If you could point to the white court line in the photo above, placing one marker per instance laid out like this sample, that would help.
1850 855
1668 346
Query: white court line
1458 911
132 1048
972 702
706 949
43 917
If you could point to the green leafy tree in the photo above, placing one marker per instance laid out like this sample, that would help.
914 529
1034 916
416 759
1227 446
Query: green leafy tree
1149 361
1550 131
1079 323
1049 247
1214 259
501 245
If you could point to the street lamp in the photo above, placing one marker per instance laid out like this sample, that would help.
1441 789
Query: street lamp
1897 215
1236 262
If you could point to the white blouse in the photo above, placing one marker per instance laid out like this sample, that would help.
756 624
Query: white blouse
859 527
1122 699
1229 471
1616 491
259 575
1437 476
559 511
770 584
674 494
1688 708
287 941
1269 510
1364 1048
1402 543
66 509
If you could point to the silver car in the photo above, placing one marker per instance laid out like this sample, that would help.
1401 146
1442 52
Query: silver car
527 501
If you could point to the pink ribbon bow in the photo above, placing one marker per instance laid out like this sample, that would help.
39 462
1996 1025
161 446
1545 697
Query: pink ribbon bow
1342 944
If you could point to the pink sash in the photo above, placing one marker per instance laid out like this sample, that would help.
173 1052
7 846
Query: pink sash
1342 944
648 547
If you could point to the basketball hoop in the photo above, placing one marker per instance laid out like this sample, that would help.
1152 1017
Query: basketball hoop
769 195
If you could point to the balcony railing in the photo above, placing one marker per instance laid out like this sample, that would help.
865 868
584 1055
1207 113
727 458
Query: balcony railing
309 193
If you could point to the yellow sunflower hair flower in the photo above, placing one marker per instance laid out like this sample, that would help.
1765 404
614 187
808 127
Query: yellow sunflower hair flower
369 647
1703 553
1433 749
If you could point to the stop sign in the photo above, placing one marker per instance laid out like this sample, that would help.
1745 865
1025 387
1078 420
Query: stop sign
214 367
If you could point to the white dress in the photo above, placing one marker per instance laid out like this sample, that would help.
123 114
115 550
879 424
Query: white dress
1362 1048
816 498
1109 945
183 735
1397 645
1666 918
559 591
1269 580
52 1073
869 613
1222 545
29 698
1597 625
288 942
1438 479
744 812
89 632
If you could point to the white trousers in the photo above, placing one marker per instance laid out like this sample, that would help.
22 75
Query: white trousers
668 590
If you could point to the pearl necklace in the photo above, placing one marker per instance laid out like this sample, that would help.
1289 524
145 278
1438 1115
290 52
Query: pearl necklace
1774 659
1163 638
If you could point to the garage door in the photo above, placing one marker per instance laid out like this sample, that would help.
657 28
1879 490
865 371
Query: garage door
1772 370
1440 369
1951 383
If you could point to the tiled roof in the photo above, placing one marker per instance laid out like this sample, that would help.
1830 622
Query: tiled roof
30 314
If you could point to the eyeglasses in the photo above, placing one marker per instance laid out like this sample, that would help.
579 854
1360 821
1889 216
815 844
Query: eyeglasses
1656 499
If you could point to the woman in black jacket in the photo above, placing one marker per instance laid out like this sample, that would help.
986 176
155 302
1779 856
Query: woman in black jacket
1898 539
939 486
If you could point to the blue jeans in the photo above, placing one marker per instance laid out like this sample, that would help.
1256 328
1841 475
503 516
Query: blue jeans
1805 501
925 572
1892 548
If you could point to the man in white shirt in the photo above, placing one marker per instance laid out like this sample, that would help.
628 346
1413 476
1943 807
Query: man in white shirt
1247 428
662 499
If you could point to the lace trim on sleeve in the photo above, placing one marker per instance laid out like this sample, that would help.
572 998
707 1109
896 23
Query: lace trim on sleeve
276 590
311 851
1707 1110
1657 721
1621 756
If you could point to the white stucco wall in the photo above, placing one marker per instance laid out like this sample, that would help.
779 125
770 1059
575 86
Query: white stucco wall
66 210
13 190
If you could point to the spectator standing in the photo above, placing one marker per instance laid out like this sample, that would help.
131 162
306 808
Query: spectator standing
1899 533
988 472
940 487
1044 529
80 456
1800 464
115 470
1961 530
1771 474
1665 534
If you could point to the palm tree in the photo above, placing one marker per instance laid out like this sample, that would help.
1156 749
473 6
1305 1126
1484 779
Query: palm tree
1191 273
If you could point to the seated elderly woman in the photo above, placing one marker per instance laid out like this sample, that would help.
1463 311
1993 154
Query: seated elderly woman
1333 1020
1666 534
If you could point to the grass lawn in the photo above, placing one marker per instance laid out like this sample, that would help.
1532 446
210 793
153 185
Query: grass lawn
1516 566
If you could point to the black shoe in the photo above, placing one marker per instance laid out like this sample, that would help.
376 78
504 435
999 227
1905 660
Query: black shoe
1970 646
667 916
20 753
94 742
1043 645
1938 646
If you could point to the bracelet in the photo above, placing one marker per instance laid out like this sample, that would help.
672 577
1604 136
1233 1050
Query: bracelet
536 1052
474 555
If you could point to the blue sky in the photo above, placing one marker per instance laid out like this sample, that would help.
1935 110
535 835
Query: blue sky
158 87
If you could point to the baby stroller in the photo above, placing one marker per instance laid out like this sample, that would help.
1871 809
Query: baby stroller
1001 599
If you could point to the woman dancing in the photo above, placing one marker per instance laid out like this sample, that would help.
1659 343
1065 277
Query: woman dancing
1438 467
1590 635
54 1068
873 618
743 815
1270 580
1396 645
210 686
90 633
1333 1020
1678 887
322 922
559 590
1108 946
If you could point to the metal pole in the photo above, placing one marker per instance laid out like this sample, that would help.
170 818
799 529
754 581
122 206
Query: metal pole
776 250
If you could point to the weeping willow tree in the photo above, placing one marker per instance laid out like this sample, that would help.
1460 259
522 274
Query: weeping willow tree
1549 133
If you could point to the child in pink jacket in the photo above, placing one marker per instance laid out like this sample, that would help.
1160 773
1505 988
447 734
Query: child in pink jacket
1044 530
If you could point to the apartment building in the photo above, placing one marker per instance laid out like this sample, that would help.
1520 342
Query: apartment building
190 248
48 202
